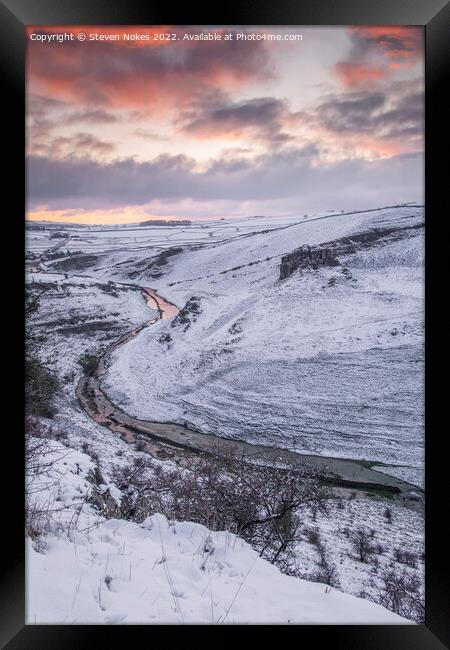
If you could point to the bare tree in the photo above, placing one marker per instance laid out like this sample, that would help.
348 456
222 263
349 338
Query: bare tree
361 543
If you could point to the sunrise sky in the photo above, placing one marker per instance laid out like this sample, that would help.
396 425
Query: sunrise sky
123 131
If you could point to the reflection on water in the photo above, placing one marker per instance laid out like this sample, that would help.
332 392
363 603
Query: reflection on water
154 301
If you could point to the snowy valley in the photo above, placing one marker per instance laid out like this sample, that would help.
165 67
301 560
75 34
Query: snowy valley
299 336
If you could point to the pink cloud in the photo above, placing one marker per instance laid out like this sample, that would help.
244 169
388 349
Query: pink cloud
357 74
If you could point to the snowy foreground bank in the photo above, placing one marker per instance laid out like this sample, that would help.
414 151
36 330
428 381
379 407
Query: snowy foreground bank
87 569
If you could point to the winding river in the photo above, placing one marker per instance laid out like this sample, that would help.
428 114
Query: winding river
168 439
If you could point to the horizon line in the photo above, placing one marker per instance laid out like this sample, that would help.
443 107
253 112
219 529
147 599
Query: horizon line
222 218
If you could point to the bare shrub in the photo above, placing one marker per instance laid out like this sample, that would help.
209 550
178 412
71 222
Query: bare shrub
327 575
388 515
88 362
312 536
41 386
140 445
227 491
361 543
43 507
41 383
400 592
87 449
405 557
61 435
323 555
326 572
37 440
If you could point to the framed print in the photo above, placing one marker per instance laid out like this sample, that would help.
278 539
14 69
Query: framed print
228 413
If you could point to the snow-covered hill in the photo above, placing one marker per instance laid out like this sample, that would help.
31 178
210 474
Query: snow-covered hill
327 361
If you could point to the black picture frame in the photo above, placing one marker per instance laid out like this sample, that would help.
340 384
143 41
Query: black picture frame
434 15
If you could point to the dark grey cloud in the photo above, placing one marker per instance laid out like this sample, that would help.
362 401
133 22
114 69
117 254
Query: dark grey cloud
39 110
46 115
386 114
274 179
406 118
61 113
81 145
89 116
147 134
40 105
122 182
350 112
261 117
261 112
377 52
394 42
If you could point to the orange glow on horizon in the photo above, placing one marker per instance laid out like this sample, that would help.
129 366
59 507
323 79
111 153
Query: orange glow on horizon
107 217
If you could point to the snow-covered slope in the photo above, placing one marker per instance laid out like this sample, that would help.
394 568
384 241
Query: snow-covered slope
327 361
86 569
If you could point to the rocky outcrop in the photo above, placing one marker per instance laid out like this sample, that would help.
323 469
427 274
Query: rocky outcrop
306 257
326 254
188 314
154 264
